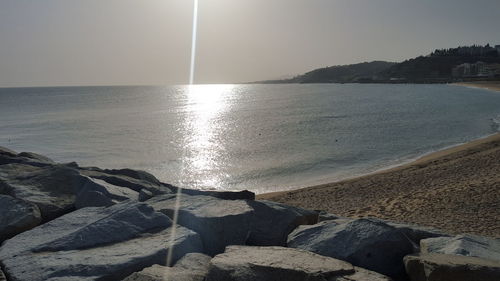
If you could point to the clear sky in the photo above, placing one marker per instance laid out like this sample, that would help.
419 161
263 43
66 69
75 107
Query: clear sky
116 42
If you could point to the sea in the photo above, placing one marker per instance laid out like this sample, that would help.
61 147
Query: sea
262 138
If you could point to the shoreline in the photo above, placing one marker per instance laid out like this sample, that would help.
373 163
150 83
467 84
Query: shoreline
459 186
428 156
486 85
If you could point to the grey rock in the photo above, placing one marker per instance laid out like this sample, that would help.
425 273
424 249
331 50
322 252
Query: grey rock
52 188
226 195
145 195
195 262
132 179
273 221
96 243
464 245
135 174
367 243
441 267
219 222
164 273
98 193
37 157
325 216
2 276
416 233
192 267
8 156
16 216
362 274
6 151
244 263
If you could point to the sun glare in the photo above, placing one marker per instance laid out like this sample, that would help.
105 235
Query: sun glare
206 104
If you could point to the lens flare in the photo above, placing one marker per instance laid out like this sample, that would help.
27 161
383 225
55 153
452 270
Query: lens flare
193 42
179 189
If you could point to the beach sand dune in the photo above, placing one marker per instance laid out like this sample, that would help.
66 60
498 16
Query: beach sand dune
457 190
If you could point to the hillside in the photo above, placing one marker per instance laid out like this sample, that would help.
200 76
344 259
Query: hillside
358 72
439 66
469 63
344 73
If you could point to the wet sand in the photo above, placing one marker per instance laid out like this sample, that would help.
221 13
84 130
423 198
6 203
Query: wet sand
489 85
457 190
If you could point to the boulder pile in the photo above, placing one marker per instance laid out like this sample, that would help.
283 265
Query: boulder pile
65 222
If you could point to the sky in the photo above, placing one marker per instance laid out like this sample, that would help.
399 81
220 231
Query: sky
148 42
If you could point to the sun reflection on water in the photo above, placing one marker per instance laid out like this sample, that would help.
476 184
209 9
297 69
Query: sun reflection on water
206 105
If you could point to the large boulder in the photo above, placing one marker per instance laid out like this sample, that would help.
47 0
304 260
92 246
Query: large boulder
219 222
465 245
226 195
194 262
415 232
97 243
367 243
442 267
52 188
132 179
192 267
98 193
272 222
8 156
16 216
244 263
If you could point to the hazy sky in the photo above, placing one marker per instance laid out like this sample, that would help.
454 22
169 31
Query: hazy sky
112 42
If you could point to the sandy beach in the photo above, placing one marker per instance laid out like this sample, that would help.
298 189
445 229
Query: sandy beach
457 190
489 85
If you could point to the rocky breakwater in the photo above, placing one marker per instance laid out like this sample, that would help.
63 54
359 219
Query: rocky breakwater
65 222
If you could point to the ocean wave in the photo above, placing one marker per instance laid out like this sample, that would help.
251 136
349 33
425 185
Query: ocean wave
496 123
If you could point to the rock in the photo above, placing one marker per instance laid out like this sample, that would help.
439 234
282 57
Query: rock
98 193
219 222
278 263
325 216
192 267
2 276
226 195
52 188
145 195
362 274
37 157
132 179
6 151
367 243
415 232
441 267
96 243
464 245
273 222
135 174
8 156
163 273
16 216
195 262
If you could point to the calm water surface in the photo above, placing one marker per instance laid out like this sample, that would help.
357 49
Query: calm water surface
257 137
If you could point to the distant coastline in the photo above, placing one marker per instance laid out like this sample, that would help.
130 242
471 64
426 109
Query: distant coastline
461 64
